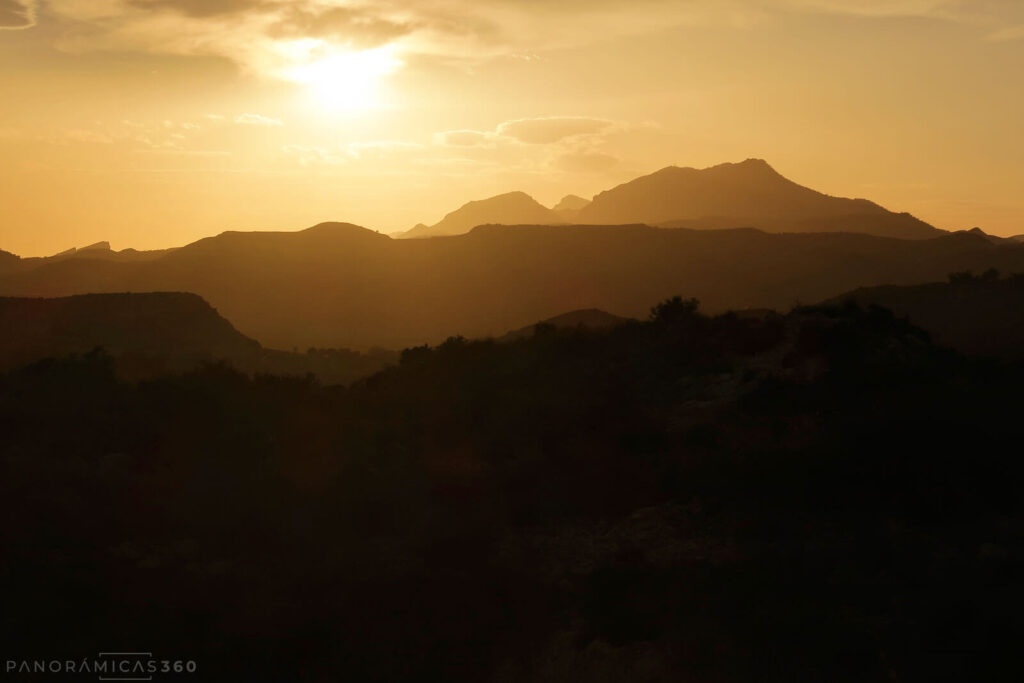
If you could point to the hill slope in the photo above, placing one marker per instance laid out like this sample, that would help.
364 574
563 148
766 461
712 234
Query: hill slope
513 208
590 318
978 315
169 324
747 194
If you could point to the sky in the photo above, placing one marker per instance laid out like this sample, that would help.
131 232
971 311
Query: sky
152 123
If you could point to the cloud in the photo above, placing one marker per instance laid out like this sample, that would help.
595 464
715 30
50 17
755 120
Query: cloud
257 120
357 28
465 138
542 144
17 14
355 152
272 37
551 129
585 162
541 130
203 8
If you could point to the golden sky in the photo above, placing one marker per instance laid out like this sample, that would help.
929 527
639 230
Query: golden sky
151 123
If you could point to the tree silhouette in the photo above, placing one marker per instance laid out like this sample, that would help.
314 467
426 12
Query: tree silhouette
675 310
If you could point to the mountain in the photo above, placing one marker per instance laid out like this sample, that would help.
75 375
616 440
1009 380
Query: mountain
418 228
8 261
513 208
590 318
747 194
167 324
339 285
569 207
972 314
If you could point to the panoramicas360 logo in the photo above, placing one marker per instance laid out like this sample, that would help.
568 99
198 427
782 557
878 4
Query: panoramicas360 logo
107 666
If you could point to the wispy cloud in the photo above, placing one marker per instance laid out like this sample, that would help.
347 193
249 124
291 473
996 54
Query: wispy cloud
465 138
541 130
17 14
543 144
272 37
550 129
257 120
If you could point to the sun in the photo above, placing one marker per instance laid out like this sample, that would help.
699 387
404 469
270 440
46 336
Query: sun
340 78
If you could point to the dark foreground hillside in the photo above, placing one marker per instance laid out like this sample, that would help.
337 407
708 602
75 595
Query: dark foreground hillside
976 314
822 496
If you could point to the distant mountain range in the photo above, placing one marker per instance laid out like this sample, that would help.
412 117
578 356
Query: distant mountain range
750 194
340 285
98 251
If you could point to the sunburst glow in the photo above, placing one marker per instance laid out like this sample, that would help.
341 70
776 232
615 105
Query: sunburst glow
341 78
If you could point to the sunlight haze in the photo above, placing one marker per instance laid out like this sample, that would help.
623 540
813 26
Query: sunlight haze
153 123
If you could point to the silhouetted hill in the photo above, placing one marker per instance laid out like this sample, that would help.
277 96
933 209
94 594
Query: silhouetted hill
569 207
747 194
149 334
591 319
339 285
8 261
978 232
978 315
513 208
167 324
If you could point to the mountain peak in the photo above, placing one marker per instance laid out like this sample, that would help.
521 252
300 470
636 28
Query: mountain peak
510 208
570 203
337 228
515 198
749 193
752 165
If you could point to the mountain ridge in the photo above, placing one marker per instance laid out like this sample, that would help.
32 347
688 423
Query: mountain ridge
344 286
745 194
